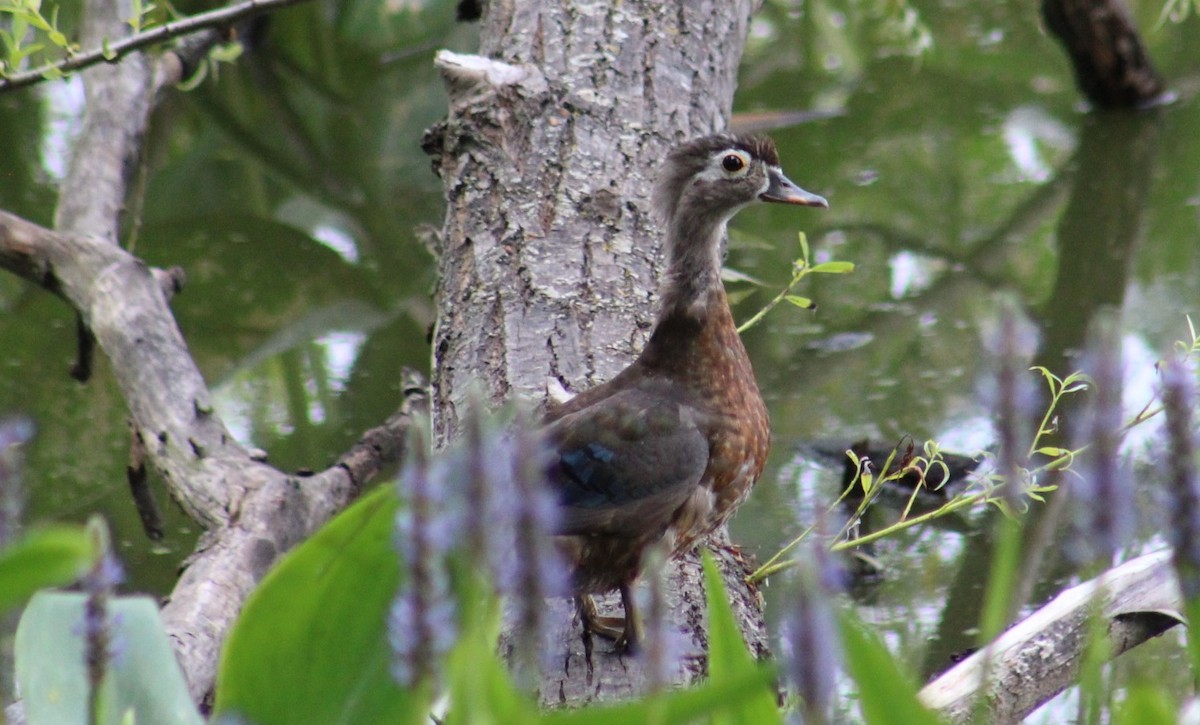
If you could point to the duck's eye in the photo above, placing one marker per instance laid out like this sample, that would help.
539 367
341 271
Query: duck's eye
733 163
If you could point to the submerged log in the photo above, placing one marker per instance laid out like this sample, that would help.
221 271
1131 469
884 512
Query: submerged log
1112 66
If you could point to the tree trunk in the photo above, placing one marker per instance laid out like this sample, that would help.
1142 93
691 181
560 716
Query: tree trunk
549 257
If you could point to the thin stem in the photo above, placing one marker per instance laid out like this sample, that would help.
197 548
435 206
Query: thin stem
774 302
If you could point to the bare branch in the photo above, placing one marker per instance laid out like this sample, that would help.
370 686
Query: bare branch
253 512
112 52
1041 655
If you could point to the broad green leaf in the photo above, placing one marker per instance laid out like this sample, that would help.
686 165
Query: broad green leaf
142 678
728 657
49 557
311 644
886 693
832 268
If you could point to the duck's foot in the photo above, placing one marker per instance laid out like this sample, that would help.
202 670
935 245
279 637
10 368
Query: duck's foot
625 631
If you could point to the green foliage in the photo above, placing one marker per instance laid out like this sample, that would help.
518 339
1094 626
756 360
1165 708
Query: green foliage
713 700
142 683
728 657
801 268
1146 704
142 15
1176 11
311 646
47 557
311 643
887 694
27 19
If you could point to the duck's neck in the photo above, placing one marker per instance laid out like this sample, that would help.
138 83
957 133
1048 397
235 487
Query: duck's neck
693 279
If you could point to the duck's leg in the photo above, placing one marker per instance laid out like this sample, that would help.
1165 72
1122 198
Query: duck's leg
633 633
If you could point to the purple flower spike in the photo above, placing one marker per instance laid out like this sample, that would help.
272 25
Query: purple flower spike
1102 494
99 583
1183 488
1012 397
536 571
13 433
809 645
422 623
665 645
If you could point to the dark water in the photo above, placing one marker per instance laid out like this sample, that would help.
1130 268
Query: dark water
962 173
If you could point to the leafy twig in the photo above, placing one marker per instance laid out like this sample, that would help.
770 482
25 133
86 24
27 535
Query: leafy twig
111 52
800 269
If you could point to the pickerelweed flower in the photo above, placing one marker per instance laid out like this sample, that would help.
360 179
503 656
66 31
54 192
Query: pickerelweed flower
422 624
809 642
665 645
1101 495
527 567
101 647
1011 395
13 433
485 501
1183 488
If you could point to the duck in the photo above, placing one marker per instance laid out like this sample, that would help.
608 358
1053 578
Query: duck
663 453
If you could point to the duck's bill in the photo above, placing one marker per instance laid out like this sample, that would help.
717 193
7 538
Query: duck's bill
781 190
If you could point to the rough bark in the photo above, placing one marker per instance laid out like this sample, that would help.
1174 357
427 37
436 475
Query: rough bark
1041 655
1112 66
548 258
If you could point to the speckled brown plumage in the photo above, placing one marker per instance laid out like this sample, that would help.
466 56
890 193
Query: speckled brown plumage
668 449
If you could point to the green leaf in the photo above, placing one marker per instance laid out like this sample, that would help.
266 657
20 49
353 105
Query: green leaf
886 693
226 53
1052 451
1191 610
481 689
802 302
804 248
311 643
728 657
49 557
1146 704
674 708
143 678
832 268
36 20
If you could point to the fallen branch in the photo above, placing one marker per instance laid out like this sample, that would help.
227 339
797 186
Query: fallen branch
1041 655
253 511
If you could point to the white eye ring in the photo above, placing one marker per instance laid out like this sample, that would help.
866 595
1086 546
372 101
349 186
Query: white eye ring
735 162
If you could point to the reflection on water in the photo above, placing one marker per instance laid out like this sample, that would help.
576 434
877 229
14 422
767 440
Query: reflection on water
957 178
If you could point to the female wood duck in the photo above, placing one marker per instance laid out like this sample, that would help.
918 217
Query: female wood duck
668 449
